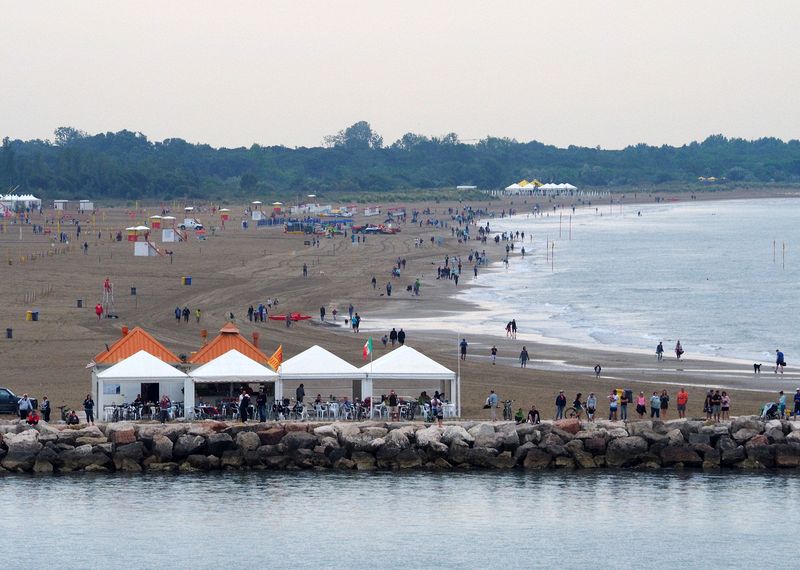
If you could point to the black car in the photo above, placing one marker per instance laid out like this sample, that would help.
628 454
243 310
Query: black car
8 401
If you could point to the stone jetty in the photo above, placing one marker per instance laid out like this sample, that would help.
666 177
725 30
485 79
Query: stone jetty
742 443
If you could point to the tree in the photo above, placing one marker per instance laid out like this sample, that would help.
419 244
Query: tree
358 136
248 181
68 135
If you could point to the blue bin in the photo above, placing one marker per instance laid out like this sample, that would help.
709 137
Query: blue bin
35 315
187 280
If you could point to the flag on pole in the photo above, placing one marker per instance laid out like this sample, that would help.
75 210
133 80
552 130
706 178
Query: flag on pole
367 351
275 360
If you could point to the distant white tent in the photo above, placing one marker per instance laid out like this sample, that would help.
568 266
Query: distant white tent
316 363
513 187
570 187
121 382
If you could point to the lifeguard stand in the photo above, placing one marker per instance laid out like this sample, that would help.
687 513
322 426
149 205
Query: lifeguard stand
108 299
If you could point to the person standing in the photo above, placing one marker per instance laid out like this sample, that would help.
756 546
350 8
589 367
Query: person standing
707 405
45 406
437 409
655 405
683 398
796 403
641 405
88 407
350 310
513 328
678 350
24 407
491 403
393 406
613 404
494 354
388 288
305 270
660 351
322 314
197 315
591 406
597 370
782 404
716 405
244 405
393 336
523 358
463 346
561 403
726 406
401 337
300 393
664 404
356 321
780 361
163 406
623 406
374 282
261 404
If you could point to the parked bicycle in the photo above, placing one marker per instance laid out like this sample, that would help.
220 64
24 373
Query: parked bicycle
508 411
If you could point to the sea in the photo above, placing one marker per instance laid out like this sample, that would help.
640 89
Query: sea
404 521
721 276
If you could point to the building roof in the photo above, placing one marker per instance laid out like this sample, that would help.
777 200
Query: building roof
318 363
233 366
141 366
130 344
406 363
229 338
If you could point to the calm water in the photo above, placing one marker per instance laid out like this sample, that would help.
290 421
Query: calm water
421 520
701 272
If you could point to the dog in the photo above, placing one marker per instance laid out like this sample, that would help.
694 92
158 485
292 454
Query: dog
756 368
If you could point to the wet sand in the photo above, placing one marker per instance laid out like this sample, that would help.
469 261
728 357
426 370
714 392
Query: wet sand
236 268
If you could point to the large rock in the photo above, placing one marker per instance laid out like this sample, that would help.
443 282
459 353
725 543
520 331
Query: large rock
363 461
408 459
595 445
787 455
733 456
625 451
426 436
299 440
745 434
758 449
537 459
248 441
328 430
571 426
747 422
123 436
219 443
453 433
22 450
189 445
680 454
162 448
398 438
133 451
271 436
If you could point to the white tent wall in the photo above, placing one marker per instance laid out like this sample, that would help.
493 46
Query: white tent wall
130 388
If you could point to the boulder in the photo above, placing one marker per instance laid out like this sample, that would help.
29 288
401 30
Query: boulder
363 461
775 435
733 456
408 459
758 449
133 451
503 461
232 458
617 433
595 445
271 436
276 461
398 438
652 437
794 436
787 455
571 426
76 458
189 445
344 464
625 451
127 465
162 448
42 466
745 434
429 435
219 443
328 430
375 431
166 467
565 463
452 433
748 423
675 437
537 459
680 454
703 438
248 441
299 440
199 462
480 456
123 436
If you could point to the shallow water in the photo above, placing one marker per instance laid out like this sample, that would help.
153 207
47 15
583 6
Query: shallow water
384 520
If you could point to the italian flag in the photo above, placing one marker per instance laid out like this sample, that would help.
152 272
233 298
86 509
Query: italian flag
367 350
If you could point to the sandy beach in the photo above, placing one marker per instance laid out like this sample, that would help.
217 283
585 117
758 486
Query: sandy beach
236 268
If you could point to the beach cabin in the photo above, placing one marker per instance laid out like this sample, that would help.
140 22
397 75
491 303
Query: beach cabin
155 222
60 205
224 214
136 364
137 233
372 211
168 235
398 212
85 206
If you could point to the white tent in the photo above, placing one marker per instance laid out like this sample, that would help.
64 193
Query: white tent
513 187
125 378
407 364
316 363
570 187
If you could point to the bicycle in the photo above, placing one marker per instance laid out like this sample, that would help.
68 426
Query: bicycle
508 412
574 412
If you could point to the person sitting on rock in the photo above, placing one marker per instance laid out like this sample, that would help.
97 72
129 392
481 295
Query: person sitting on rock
33 418
519 417
533 415
72 419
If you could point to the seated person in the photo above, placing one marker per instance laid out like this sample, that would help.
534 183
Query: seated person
347 404
318 399
72 419
533 416
424 398
33 418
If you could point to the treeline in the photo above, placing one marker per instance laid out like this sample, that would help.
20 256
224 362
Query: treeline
126 165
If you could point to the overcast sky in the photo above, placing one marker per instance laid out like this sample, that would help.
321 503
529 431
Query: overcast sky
562 72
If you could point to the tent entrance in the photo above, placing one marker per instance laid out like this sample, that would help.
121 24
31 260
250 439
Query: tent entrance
149 392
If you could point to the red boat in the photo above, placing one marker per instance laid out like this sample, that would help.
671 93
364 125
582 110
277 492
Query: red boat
290 316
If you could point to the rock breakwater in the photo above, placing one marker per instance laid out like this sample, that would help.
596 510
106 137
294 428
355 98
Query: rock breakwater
742 443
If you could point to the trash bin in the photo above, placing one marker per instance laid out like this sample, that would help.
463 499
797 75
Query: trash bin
187 280
80 303
133 291
28 315
34 315
9 333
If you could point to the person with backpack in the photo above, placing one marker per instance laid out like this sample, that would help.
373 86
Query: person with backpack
163 406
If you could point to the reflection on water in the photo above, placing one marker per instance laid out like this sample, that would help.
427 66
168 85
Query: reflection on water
384 520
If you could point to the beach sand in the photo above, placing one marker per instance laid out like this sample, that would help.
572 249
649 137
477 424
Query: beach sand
236 268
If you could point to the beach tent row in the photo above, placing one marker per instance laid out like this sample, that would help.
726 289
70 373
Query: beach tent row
26 200
536 185
231 358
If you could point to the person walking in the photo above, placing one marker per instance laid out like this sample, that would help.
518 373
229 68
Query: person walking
300 393
244 405
322 314
591 406
164 404
374 282
523 358
655 405
491 403
463 346
514 328
24 407
45 407
388 288
178 314
613 404
197 315
780 361
494 354
401 337
393 336
350 310
88 407
678 350
660 351
186 313
597 370
664 404
561 403
682 399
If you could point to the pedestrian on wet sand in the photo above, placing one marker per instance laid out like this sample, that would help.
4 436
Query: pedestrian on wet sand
401 337
597 370
523 358
463 346
393 336
494 354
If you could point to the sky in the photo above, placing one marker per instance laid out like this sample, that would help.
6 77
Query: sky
586 73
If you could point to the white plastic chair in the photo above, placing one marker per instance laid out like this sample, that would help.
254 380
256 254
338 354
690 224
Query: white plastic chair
333 410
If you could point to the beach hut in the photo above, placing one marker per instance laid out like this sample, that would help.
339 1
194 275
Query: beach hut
85 206
318 365
276 208
224 214
372 211
230 368
155 222
137 233
407 371
60 205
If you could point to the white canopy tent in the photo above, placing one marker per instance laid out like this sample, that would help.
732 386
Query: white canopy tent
513 187
407 364
140 368
230 367
316 363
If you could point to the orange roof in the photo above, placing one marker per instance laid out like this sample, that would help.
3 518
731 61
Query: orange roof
229 339
130 344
